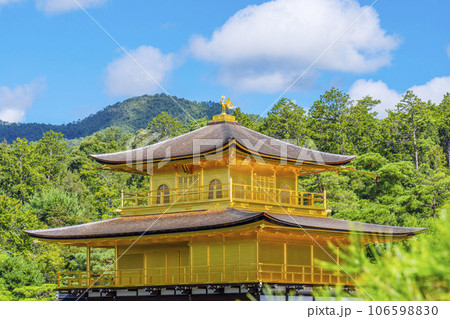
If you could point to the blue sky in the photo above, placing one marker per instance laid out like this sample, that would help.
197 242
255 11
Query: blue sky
57 65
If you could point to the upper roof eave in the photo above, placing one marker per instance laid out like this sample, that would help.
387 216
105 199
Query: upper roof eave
215 138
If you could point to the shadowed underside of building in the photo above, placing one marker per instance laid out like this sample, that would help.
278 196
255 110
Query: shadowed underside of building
223 218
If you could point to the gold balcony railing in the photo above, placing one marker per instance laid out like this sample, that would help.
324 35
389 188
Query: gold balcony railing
225 192
223 274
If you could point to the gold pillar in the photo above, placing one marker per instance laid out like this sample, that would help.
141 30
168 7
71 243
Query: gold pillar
116 263
230 183
257 257
251 183
276 199
176 185
88 263
339 268
191 262
202 184
150 193
224 276
145 268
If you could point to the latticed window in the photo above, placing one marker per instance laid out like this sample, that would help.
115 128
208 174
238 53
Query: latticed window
163 194
239 189
264 186
188 188
215 189
285 194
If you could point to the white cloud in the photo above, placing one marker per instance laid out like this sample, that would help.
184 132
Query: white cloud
265 47
125 77
61 6
15 102
379 91
433 90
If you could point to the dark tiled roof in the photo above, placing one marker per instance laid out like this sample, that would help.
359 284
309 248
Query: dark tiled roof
201 220
214 137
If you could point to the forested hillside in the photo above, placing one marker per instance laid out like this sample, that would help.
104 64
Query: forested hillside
54 183
129 115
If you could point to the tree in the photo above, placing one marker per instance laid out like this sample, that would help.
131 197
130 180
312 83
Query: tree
286 120
20 173
410 105
401 188
18 272
165 126
327 119
56 208
248 120
361 126
46 292
407 123
437 184
5 294
196 124
101 259
442 122
416 272
52 150
162 127
430 153
364 185
13 221
110 140
102 193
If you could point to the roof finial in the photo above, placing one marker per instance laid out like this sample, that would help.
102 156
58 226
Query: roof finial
224 117
226 104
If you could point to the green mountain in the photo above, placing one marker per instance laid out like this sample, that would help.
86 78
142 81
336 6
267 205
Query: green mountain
130 115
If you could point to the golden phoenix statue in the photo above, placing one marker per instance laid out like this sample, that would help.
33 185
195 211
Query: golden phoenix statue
226 104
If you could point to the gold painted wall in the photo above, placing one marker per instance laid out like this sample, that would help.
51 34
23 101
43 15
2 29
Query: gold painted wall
283 175
218 170
294 254
170 175
209 259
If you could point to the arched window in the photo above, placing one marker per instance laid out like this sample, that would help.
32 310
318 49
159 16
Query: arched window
163 194
285 194
239 189
215 189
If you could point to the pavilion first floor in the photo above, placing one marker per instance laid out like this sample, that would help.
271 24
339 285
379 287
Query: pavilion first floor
219 254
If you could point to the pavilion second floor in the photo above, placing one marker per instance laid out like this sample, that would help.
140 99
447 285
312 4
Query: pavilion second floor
216 184
219 195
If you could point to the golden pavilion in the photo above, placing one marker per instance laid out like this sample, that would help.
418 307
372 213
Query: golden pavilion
223 217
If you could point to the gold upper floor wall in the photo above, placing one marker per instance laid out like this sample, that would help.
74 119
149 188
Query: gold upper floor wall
217 184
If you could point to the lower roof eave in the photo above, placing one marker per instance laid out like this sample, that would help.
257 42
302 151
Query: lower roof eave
230 220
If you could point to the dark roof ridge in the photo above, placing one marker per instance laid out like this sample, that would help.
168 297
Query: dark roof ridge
228 132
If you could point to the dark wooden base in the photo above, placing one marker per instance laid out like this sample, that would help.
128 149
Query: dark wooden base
243 292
